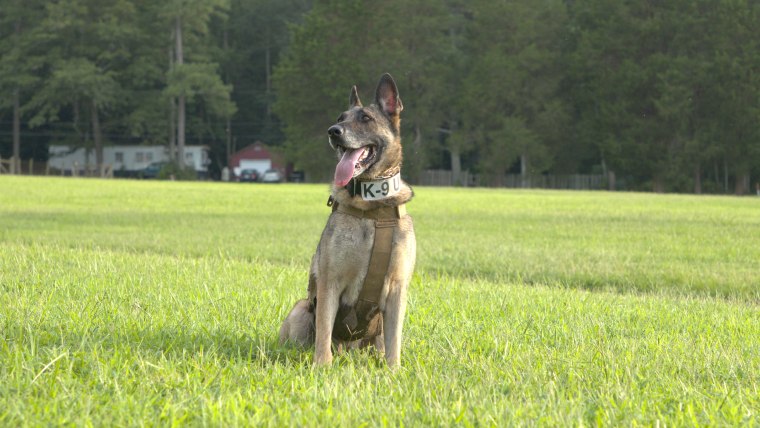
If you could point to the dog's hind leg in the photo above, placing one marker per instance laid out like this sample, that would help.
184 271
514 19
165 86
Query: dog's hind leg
298 326
379 343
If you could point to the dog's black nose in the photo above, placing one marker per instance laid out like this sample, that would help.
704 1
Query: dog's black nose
335 131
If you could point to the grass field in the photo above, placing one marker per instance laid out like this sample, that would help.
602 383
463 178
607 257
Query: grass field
158 303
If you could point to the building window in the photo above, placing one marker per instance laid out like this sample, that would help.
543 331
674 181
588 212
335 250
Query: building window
119 157
139 157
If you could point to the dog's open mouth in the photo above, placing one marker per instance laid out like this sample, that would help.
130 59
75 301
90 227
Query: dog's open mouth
354 162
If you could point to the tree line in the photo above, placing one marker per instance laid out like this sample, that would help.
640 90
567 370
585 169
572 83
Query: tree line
91 73
661 96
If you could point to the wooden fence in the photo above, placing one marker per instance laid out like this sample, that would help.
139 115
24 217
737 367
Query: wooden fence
439 177
8 166
16 166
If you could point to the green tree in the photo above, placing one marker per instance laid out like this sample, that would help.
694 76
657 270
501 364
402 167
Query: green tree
20 60
253 38
600 82
513 108
313 79
680 101
474 75
343 43
434 58
664 89
88 47
735 87
193 76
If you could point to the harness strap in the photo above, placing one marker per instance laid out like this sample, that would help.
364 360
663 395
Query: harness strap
364 318
382 213
378 261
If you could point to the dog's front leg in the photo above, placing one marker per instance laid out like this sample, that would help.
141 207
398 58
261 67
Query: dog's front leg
393 321
327 308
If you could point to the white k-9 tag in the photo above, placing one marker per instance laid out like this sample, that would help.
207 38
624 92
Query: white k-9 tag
380 189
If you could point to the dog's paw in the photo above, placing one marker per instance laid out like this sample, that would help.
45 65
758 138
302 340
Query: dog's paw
323 360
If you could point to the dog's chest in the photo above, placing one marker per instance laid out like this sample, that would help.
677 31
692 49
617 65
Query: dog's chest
345 250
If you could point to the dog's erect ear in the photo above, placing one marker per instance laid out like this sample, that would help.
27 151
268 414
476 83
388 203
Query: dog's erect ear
387 96
353 100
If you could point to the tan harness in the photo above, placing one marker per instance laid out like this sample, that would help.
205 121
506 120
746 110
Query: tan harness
364 319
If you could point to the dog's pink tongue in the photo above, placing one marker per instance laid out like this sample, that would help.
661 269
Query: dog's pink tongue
345 169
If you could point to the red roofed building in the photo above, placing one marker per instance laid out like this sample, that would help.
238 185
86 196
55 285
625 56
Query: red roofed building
256 156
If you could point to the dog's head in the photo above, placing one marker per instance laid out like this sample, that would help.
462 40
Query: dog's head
367 140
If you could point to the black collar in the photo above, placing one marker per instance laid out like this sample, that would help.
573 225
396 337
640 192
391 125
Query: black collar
353 187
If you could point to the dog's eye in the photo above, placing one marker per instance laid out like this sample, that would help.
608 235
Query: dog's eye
341 118
366 118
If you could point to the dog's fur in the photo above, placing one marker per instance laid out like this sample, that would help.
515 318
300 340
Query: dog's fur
342 258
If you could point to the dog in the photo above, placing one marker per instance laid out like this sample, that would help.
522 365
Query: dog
365 258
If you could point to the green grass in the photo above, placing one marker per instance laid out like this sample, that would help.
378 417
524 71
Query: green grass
142 303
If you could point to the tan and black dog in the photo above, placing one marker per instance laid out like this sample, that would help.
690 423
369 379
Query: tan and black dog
365 258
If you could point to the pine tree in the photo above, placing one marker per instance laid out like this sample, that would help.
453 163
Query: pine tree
194 76
20 59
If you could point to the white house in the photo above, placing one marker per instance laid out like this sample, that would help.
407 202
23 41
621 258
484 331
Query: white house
129 159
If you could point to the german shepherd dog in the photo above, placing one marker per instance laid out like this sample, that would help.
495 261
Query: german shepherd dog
368 200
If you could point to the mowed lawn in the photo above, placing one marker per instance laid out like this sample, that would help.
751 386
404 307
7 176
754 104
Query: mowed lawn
158 303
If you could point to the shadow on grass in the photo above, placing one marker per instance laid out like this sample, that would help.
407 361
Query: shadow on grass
170 343
661 285
180 345
173 347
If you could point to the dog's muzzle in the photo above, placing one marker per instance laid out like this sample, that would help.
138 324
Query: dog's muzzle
335 131
335 134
